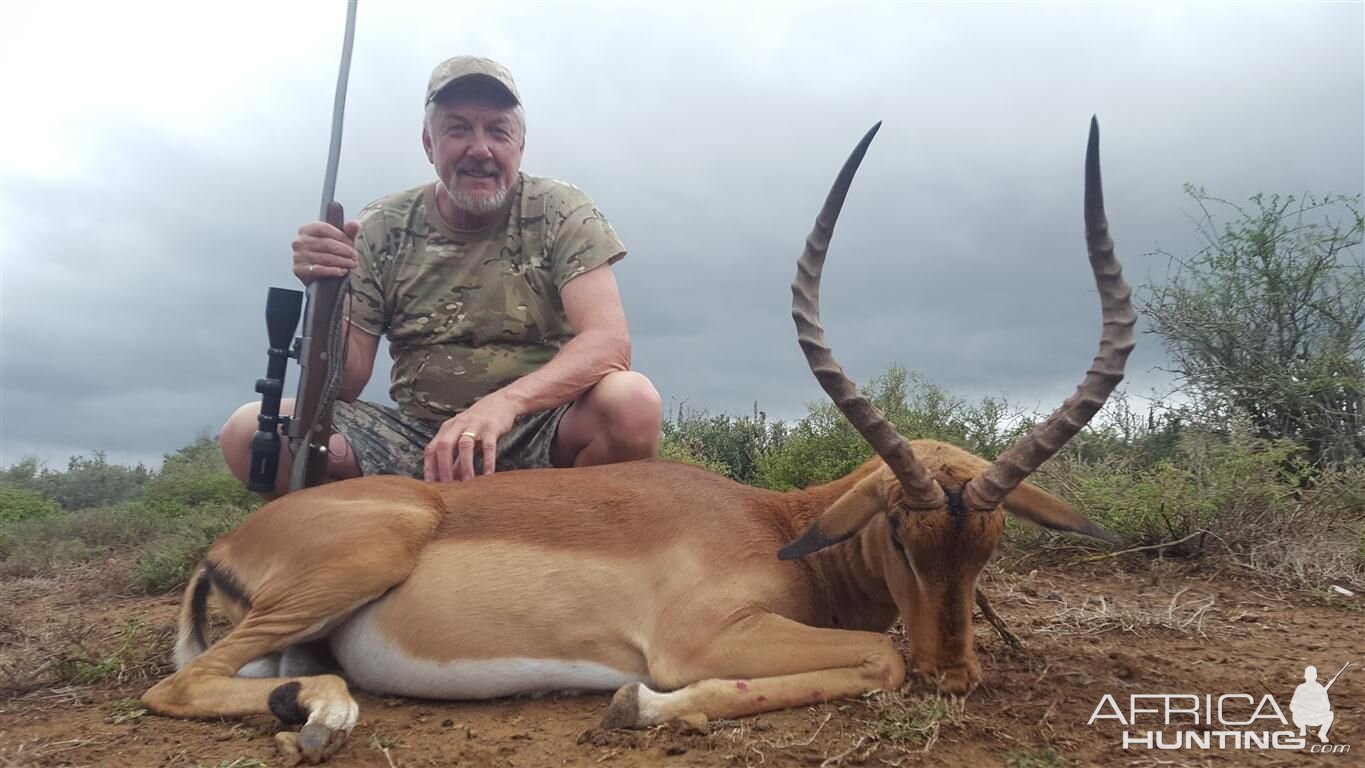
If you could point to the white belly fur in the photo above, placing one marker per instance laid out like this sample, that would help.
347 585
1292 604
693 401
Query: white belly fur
375 663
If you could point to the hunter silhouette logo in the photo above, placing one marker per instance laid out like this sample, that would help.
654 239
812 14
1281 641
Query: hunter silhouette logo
1172 721
1310 705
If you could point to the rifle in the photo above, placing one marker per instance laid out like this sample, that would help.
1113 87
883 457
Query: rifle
1328 687
320 349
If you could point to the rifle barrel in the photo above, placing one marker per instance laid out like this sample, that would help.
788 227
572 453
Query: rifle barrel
1334 677
319 360
329 183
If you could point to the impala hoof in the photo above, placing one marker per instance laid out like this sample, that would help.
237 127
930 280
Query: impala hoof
624 711
957 680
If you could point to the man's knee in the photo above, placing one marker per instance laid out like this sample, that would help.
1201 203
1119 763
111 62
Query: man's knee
234 439
632 411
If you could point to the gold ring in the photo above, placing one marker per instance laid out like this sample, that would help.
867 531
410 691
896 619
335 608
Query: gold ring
312 267
470 435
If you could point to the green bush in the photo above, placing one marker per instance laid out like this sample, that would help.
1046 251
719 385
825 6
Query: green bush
87 482
1223 484
1267 319
90 482
22 474
196 475
165 548
190 502
29 560
732 446
1119 433
17 504
1337 493
820 448
823 446
166 562
677 449
36 545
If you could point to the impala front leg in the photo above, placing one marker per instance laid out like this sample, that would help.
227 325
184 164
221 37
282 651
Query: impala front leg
763 664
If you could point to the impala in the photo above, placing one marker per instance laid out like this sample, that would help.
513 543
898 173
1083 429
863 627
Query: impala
685 592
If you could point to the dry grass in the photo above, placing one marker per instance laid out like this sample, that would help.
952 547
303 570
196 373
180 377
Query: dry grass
886 725
1314 561
1181 615
1033 758
749 742
896 725
49 752
1095 615
65 657
93 653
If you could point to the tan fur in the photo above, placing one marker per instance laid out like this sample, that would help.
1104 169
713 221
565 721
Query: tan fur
653 568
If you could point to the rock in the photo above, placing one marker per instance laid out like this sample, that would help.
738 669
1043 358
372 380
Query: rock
694 723
287 743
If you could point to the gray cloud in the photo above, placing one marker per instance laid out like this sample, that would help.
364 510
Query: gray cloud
134 280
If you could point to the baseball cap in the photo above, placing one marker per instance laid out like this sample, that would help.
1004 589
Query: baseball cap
460 67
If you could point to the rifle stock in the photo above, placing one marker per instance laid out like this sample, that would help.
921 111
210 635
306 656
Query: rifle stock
321 359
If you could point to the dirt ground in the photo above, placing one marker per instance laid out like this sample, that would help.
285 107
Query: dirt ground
76 651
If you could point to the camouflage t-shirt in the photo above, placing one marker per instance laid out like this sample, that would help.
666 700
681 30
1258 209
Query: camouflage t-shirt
467 313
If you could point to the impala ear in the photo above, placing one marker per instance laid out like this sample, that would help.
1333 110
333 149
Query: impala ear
843 519
1038 506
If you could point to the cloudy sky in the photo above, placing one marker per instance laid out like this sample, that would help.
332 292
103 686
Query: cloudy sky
156 160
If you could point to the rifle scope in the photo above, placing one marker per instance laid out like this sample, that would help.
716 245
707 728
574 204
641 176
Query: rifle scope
282 307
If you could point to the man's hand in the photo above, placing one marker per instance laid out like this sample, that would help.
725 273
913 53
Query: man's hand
450 455
322 250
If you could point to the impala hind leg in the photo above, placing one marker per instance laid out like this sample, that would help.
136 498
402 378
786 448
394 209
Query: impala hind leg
206 686
763 663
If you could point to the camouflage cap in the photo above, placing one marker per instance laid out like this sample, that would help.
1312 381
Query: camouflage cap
460 67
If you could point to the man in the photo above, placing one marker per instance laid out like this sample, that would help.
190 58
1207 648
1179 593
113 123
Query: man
496 293
1310 705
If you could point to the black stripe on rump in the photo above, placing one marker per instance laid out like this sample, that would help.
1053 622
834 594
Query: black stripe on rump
228 585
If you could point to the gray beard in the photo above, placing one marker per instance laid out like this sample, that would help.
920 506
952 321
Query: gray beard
479 204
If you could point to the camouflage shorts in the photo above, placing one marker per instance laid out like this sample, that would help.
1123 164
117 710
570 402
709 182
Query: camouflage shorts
386 443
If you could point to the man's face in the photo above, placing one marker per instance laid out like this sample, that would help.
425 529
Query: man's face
475 145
